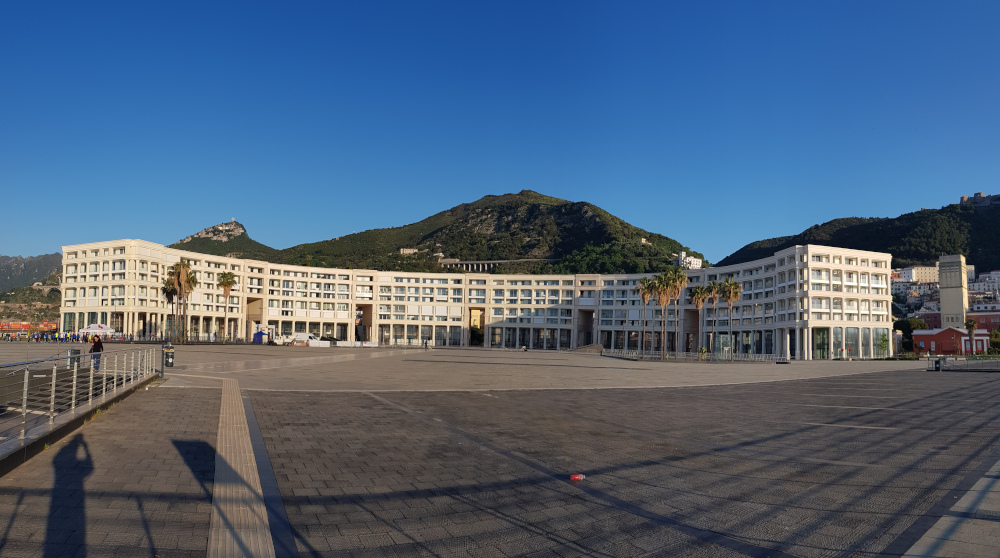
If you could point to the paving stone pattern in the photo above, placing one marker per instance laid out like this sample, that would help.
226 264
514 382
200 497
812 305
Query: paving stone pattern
239 517
825 467
136 481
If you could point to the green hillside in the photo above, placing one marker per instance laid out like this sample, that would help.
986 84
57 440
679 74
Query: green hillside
558 235
16 271
913 238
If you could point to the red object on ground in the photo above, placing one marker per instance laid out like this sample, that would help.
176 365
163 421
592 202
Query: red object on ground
577 477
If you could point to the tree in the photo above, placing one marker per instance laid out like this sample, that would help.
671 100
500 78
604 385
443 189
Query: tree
169 292
185 282
906 327
663 300
226 280
715 292
971 325
883 345
995 341
678 282
647 290
700 295
732 290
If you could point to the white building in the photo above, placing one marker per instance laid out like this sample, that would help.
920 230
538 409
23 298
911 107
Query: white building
803 302
918 274
688 262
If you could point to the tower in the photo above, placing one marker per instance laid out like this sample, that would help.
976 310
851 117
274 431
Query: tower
954 288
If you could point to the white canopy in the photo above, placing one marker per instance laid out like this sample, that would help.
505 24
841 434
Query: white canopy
98 329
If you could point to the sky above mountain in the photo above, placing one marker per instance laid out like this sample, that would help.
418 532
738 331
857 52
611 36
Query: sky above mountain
713 123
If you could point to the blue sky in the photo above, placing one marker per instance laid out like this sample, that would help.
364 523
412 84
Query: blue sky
715 123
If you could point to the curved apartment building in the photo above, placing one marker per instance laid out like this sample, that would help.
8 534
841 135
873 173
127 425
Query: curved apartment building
804 302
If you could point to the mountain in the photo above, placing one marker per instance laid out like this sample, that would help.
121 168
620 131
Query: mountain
553 235
916 238
227 239
16 271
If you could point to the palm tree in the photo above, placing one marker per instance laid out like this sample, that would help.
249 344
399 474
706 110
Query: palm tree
732 290
226 280
715 292
971 324
169 292
678 282
662 292
699 295
185 282
647 290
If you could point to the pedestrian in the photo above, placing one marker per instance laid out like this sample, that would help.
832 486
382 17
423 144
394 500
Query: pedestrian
95 350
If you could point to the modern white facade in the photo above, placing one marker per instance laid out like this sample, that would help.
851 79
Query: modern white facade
804 302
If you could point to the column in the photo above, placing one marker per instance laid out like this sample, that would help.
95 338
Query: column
829 343
798 343
807 341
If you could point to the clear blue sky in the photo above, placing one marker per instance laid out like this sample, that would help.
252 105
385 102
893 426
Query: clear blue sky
715 123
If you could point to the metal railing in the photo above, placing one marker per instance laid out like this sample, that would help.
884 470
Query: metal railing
37 391
965 364
633 354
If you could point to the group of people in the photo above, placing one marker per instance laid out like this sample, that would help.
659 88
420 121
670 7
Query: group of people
65 337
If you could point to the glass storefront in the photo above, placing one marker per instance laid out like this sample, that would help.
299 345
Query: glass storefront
821 343
851 342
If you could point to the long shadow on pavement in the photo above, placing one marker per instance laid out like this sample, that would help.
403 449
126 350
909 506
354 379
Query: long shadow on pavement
66 529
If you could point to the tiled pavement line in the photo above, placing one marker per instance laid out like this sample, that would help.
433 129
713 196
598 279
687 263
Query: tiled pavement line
239 516
705 535
281 529
970 527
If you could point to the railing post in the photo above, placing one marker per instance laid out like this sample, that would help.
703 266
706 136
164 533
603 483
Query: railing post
76 369
104 383
24 403
52 398
114 387
131 369
90 397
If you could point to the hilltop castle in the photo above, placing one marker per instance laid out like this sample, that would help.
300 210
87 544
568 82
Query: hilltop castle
981 200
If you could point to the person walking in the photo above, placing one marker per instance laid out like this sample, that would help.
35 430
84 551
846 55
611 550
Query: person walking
95 350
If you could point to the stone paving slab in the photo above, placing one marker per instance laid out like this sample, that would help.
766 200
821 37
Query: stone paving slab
762 469
135 481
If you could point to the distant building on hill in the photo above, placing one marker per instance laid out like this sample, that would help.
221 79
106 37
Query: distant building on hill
981 200
688 262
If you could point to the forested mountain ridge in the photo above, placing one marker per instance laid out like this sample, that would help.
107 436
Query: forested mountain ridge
916 238
16 271
556 235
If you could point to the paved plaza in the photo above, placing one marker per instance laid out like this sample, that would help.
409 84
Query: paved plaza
449 452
